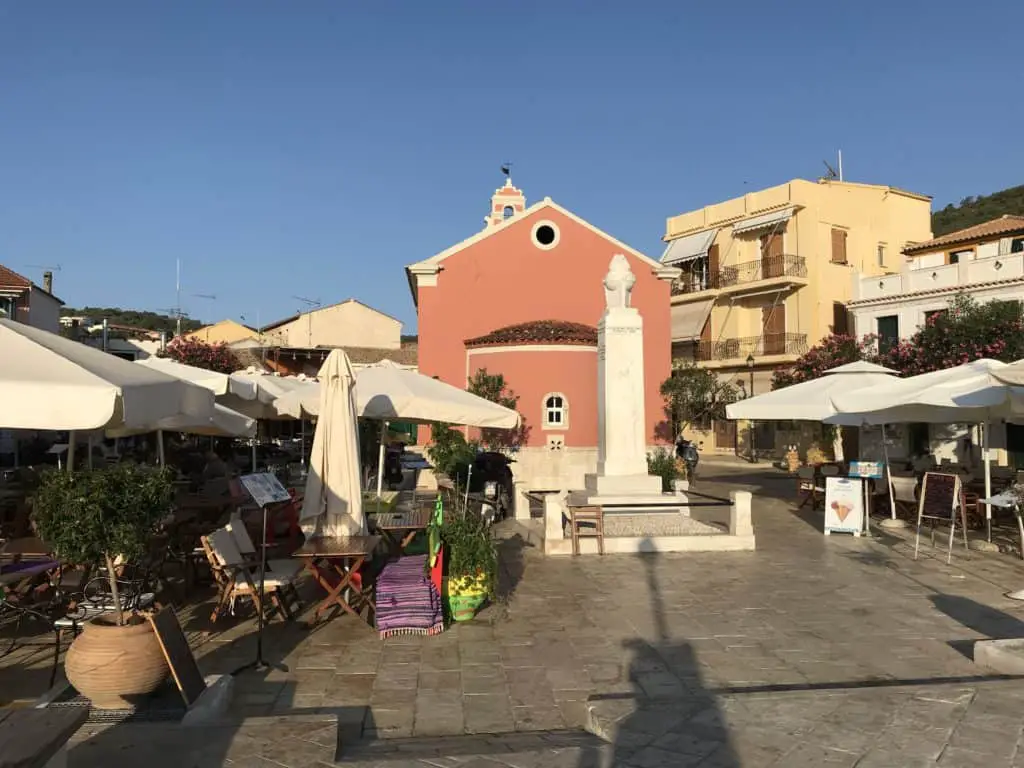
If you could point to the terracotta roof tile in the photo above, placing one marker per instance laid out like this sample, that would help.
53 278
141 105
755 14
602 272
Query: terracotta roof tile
1004 225
538 332
11 279
407 355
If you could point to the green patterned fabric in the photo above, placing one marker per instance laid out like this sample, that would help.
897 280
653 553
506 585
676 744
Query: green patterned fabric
434 530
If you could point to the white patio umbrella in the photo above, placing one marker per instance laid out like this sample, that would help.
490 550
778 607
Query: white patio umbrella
222 422
51 383
811 400
220 384
387 392
333 503
966 394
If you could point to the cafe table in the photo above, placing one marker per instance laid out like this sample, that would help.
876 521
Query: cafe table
399 528
334 563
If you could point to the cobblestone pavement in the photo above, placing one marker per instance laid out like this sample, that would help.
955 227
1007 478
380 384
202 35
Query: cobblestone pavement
811 651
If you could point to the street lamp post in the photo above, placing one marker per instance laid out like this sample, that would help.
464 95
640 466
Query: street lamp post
753 448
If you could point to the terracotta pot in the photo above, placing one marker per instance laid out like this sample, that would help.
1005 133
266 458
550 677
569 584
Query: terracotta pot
115 666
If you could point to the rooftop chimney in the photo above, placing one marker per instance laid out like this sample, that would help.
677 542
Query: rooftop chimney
48 281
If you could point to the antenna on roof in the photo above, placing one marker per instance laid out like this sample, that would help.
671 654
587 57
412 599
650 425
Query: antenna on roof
831 171
55 268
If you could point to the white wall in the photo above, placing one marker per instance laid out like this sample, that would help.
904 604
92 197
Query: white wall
44 311
349 324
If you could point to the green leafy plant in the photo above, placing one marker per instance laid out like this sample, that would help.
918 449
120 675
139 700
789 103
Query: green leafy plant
449 448
662 462
694 395
492 386
470 552
92 517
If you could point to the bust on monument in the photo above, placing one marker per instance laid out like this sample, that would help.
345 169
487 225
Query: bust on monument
618 283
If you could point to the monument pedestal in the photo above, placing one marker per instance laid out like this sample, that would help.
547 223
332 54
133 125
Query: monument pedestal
622 485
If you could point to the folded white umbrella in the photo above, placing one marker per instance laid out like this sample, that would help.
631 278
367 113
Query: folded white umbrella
333 502
219 383
223 422
811 400
387 392
52 383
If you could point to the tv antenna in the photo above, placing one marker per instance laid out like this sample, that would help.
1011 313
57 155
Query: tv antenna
176 311
833 173
311 304
47 267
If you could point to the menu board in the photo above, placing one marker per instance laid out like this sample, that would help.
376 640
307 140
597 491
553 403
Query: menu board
869 469
844 505
265 488
939 495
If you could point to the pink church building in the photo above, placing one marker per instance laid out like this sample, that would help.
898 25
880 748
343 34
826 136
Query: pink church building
523 298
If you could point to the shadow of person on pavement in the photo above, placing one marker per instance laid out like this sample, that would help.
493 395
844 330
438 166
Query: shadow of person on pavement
669 718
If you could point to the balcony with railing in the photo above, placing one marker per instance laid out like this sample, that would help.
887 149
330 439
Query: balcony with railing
737 277
766 345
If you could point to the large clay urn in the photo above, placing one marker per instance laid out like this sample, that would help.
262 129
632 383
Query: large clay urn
114 667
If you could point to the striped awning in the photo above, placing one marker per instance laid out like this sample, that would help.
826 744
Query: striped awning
688 248
764 221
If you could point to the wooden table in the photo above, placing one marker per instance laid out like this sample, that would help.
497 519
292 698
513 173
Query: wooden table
28 548
328 559
399 528
29 738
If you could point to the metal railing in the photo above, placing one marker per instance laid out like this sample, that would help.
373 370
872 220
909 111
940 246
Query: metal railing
758 346
783 265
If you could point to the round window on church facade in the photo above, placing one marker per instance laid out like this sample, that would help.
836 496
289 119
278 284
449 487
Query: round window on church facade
545 235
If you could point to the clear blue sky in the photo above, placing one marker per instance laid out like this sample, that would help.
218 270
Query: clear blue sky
313 148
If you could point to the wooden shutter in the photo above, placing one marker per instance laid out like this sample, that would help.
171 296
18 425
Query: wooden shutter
773 319
714 266
840 319
838 246
771 255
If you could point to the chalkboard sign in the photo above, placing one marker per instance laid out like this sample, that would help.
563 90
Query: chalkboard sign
179 656
940 495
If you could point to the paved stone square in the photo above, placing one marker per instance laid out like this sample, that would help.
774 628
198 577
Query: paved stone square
811 651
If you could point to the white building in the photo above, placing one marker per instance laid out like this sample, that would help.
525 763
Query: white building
24 301
985 261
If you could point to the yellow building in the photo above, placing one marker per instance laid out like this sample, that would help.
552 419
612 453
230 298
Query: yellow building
767 275
224 332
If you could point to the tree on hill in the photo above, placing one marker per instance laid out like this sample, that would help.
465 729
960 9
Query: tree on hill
199 354
151 321
976 210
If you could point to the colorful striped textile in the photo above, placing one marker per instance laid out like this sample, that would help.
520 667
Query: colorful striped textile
407 602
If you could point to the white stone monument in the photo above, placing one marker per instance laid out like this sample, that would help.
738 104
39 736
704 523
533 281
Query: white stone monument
621 419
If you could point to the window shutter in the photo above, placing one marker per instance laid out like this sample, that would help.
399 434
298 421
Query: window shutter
838 246
840 319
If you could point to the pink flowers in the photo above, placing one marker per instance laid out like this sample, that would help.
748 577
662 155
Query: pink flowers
199 354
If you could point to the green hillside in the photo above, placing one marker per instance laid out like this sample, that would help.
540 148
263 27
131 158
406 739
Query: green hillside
975 210
151 321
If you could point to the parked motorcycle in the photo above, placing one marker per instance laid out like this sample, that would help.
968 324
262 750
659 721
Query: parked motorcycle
687 451
490 481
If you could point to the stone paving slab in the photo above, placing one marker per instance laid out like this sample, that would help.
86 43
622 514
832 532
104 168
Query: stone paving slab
809 651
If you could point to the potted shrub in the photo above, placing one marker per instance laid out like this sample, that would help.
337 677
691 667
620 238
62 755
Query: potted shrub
662 462
471 561
91 519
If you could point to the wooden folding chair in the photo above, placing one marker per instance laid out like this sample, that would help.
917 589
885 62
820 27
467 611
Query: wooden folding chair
807 488
235 579
586 522
942 496
289 566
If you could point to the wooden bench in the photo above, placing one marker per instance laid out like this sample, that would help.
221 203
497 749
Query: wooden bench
30 738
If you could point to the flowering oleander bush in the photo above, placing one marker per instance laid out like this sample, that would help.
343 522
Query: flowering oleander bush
213 357
968 330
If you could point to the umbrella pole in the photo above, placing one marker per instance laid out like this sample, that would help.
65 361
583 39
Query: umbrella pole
161 457
302 443
988 479
88 447
380 462
71 451
888 475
